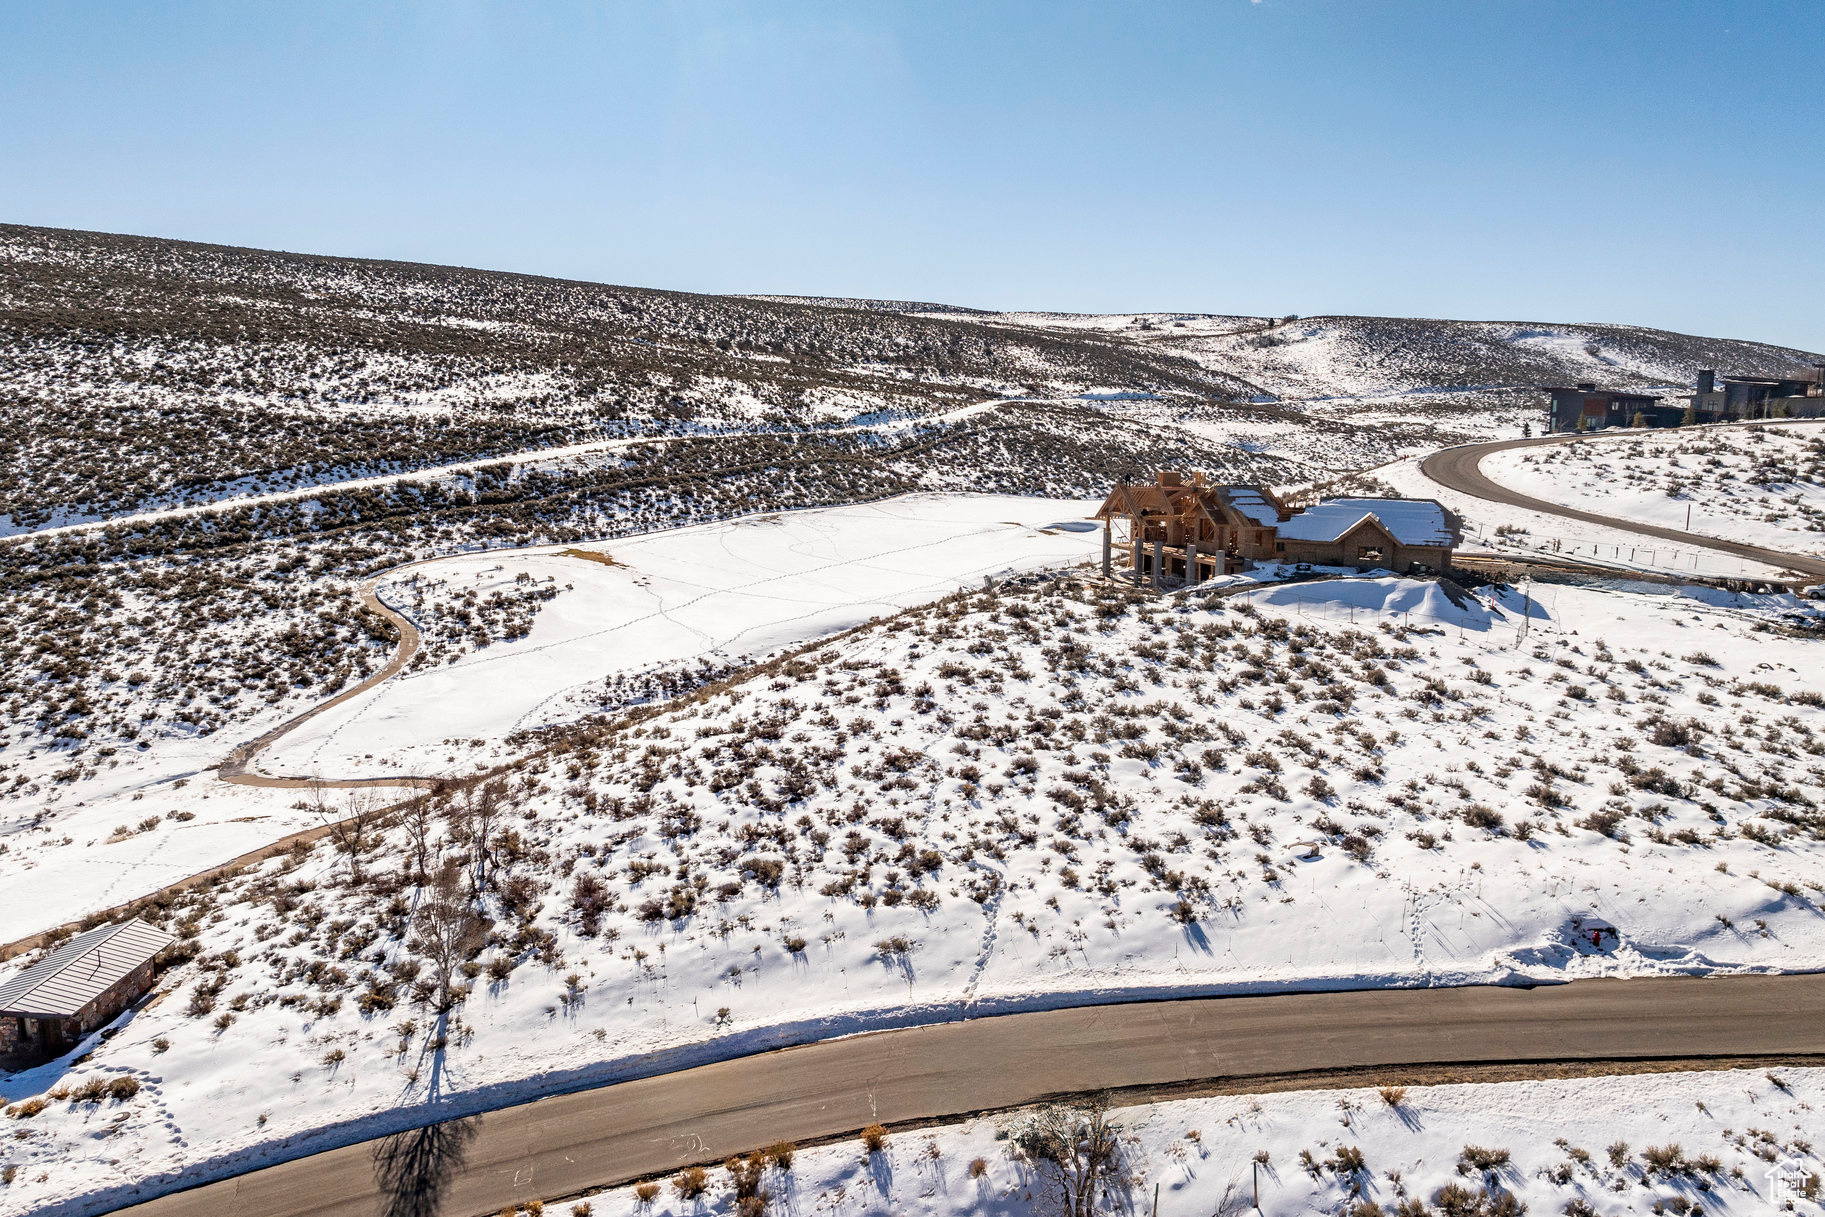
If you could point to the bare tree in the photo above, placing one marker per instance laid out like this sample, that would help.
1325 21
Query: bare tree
349 821
420 819
449 930
474 816
1075 1148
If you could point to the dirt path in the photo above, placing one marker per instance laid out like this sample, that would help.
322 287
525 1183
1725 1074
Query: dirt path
238 768
557 1147
1459 469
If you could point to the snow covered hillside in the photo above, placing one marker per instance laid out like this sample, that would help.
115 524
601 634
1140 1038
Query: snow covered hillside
1497 528
1760 484
1725 1143
1053 791
141 372
1417 376
695 800
659 612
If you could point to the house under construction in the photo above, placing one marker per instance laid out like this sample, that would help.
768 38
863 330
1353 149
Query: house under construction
1181 530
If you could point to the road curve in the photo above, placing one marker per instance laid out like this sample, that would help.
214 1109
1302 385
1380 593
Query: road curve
560 1146
1459 469
238 768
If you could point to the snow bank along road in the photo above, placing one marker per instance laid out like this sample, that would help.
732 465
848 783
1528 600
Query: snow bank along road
1458 469
560 1146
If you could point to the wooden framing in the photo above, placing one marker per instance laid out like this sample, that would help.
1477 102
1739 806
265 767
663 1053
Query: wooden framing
1183 531
1188 531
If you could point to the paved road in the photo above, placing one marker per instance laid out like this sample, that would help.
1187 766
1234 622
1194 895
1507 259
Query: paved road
560 1146
1458 469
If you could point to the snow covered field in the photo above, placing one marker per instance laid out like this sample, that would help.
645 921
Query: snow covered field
167 822
713 594
756 584
1764 485
1048 794
1662 1143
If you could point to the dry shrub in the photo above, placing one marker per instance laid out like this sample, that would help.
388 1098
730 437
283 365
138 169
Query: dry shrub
874 1137
1483 1159
690 1182
746 1175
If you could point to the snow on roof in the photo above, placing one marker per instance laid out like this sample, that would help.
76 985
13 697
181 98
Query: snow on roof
1248 501
1411 521
82 969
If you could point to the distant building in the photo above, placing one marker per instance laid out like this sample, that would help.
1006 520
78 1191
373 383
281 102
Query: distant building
1585 407
1734 398
1186 531
47 1008
1718 399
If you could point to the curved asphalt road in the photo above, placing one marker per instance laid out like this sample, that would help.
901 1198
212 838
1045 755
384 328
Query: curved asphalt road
1458 469
566 1144
558 1147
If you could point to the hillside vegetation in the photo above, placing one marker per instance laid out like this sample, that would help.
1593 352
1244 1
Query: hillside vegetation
1051 787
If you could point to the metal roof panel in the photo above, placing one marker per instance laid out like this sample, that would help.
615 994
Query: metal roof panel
82 969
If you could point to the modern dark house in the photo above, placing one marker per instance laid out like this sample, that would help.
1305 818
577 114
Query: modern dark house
1585 407
1722 399
46 1009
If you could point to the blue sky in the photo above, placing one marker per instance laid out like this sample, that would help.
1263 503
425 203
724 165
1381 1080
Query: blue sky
1659 161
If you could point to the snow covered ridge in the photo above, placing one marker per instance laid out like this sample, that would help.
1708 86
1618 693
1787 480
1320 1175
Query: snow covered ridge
1053 792
145 373
1330 357
1725 1143
1761 484
202 370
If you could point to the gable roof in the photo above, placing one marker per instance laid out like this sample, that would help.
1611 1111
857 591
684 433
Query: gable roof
82 969
1408 521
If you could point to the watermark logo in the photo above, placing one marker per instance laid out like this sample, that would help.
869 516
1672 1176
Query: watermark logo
1787 1182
